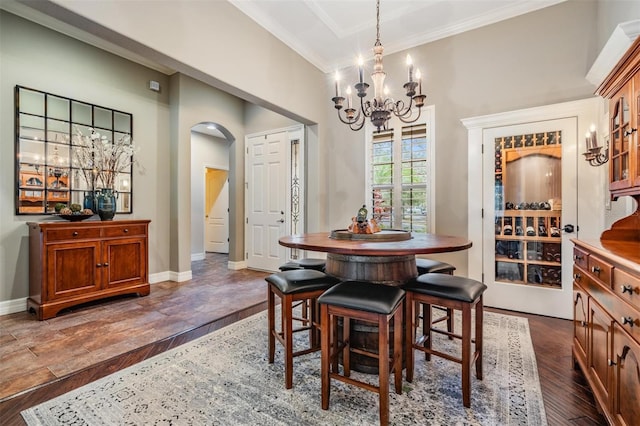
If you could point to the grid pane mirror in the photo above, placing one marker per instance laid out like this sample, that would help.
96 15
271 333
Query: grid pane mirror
51 165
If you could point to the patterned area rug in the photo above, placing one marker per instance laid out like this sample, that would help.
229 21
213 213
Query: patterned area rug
224 379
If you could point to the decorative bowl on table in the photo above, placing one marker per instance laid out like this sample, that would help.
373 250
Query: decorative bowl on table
75 217
75 213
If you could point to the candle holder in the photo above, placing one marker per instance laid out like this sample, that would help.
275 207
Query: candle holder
596 157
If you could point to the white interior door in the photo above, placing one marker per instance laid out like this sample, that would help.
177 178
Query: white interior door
217 210
266 200
529 197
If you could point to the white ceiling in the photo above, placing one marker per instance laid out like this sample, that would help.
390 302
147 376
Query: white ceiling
332 33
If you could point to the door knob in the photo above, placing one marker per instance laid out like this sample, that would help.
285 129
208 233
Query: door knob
281 221
568 228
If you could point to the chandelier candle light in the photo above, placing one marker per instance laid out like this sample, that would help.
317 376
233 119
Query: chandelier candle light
380 108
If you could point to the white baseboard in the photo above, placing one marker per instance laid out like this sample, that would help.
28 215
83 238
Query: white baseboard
159 277
180 276
12 306
237 265
169 276
197 256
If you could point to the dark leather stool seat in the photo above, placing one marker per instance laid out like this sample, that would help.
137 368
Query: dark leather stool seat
428 266
368 302
304 263
301 285
450 292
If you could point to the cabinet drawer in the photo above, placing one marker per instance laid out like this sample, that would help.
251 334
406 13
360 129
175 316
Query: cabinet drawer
123 230
599 269
627 287
72 234
627 317
580 258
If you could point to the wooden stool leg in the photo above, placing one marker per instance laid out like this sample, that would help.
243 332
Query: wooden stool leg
272 323
450 317
466 355
325 348
383 368
346 351
427 317
397 349
314 319
479 327
287 319
410 335
333 329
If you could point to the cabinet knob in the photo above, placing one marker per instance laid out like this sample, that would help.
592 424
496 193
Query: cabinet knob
610 363
106 264
629 132
99 265
583 323
595 269
577 257
75 233
627 320
126 230
626 289
577 277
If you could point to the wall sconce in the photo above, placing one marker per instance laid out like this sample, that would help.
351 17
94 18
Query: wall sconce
594 154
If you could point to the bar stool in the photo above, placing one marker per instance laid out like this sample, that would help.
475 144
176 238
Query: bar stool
304 263
428 266
304 285
368 302
451 292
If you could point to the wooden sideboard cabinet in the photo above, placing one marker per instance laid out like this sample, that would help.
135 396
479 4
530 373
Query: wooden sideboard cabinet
606 342
76 262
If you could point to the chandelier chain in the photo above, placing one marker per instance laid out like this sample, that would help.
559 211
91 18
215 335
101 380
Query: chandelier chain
377 21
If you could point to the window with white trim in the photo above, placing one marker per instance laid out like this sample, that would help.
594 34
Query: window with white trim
400 173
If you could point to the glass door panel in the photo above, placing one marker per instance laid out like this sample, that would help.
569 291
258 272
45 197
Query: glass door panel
620 141
528 209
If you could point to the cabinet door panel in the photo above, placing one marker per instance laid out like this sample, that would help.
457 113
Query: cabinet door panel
626 406
580 310
600 329
126 263
635 136
71 269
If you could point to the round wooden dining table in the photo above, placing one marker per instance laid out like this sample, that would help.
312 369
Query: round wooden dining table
388 257
379 259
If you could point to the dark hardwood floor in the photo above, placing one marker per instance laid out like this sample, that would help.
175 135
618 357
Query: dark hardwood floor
43 359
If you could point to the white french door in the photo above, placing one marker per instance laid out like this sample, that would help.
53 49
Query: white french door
530 207
266 196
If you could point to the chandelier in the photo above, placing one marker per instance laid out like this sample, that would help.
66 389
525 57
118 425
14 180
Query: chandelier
381 107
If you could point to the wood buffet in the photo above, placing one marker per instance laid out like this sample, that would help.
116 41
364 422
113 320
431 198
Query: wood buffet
77 262
606 279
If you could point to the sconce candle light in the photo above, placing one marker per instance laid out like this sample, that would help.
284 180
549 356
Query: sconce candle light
594 154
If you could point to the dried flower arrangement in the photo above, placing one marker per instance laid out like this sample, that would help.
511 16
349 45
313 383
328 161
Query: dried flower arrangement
101 160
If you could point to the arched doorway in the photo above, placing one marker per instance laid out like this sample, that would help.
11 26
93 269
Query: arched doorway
210 167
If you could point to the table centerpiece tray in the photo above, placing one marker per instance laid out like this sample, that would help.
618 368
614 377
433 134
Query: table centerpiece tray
384 235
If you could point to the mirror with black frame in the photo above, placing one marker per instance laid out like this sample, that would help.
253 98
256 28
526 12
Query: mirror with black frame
58 159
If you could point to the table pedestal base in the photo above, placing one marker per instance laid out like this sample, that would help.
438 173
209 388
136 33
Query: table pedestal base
389 270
